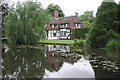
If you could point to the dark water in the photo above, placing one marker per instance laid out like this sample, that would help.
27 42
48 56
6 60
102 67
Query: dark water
59 61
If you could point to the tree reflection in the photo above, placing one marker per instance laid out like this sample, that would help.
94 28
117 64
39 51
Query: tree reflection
25 62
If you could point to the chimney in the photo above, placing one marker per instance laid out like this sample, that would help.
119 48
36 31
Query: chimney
76 15
55 13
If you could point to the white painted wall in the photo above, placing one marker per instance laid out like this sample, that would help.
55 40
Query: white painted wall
67 33
51 33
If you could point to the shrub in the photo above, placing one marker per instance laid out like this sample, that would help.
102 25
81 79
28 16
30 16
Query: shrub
112 35
97 37
113 45
78 33
79 42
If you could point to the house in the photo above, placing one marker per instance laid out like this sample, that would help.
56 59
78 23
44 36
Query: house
60 27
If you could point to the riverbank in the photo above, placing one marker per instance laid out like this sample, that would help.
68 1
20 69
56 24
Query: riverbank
56 42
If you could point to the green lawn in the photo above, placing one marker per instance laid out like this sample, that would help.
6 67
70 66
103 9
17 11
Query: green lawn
56 41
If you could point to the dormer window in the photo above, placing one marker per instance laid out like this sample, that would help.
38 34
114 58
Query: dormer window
54 25
63 25
56 18
78 25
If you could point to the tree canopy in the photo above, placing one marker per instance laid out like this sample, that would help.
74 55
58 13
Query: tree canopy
105 27
87 18
25 23
51 8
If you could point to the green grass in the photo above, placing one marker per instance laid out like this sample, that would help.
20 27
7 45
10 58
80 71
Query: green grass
56 42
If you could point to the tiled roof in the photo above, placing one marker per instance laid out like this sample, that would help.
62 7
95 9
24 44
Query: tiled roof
49 27
61 20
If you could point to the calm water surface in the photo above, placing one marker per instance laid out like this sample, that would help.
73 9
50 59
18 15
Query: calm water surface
59 61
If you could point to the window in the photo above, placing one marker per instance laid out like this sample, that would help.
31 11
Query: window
54 34
78 25
50 32
64 25
54 25
61 26
68 30
63 34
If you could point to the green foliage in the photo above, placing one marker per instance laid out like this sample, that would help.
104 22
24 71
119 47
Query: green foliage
78 33
97 37
119 11
106 18
25 23
112 35
107 14
87 18
51 8
79 42
105 26
114 55
118 24
113 45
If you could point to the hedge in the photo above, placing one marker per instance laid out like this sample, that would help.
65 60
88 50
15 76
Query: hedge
78 33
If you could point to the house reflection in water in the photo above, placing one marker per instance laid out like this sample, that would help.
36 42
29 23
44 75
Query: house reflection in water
59 48
67 64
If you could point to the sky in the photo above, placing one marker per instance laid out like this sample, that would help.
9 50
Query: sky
69 7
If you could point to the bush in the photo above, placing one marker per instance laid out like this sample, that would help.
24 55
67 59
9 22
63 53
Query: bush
113 45
112 35
79 42
78 33
97 37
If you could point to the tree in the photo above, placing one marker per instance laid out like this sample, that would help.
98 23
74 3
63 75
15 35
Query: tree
119 17
25 23
51 8
104 28
87 18
3 12
106 14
